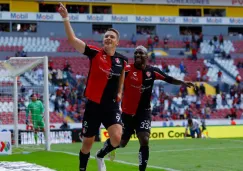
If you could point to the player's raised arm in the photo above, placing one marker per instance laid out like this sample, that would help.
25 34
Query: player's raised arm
160 75
78 44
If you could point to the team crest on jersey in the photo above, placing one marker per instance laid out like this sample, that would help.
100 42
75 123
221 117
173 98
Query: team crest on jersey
148 74
117 60
104 56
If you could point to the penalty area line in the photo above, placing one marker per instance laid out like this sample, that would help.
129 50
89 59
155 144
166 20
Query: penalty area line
121 162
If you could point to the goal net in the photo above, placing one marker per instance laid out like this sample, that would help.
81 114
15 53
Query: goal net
24 102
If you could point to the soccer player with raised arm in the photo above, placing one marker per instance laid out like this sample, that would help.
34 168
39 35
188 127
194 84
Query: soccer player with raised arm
36 109
103 91
136 110
194 127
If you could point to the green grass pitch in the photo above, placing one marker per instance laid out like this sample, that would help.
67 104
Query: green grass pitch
165 155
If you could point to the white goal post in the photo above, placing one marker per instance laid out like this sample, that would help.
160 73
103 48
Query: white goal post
13 68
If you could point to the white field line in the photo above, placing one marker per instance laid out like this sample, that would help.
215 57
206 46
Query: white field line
186 149
233 140
123 162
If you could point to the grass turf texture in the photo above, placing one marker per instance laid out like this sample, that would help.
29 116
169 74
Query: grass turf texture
182 155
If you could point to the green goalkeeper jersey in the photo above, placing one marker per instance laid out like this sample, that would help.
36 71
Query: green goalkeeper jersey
37 109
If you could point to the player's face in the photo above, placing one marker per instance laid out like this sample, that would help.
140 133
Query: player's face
110 39
140 57
34 98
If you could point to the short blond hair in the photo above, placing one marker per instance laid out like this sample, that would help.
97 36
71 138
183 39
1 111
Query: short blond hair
115 31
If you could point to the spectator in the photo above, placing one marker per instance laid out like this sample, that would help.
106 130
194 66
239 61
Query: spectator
221 39
182 112
194 53
166 41
182 67
198 75
202 89
65 125
198 103
150 43
219 76
153 57
134 40
165 67
187 43
233 112
238 79
156 41
78 76
196 90
208 111
50 65
73 97
204 74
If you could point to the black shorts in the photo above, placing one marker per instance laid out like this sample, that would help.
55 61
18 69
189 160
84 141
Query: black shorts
141 122
95 114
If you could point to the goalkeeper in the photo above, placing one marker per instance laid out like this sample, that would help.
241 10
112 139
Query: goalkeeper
37 110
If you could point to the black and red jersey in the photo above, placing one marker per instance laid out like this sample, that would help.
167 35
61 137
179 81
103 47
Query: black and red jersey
138 87
104 74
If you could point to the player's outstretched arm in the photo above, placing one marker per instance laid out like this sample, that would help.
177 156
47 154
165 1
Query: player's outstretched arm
160 75
78 44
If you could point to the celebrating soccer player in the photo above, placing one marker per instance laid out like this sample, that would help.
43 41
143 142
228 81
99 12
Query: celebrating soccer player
136 113
37 112
103 91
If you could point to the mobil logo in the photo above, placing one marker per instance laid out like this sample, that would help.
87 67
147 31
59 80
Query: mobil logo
167 19
119 18
74 17
236 20
44 16
213 20
192 20
144 19
237 2
19 16
95 18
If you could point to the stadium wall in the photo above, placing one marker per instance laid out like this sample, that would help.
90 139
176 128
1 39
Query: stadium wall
84 30
135 9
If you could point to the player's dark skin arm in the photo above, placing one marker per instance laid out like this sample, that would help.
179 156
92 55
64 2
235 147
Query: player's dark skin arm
120 86
174 81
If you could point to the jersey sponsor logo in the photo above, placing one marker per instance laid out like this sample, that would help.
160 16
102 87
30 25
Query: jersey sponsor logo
141 88
117 60
148 74
109 72
134 76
